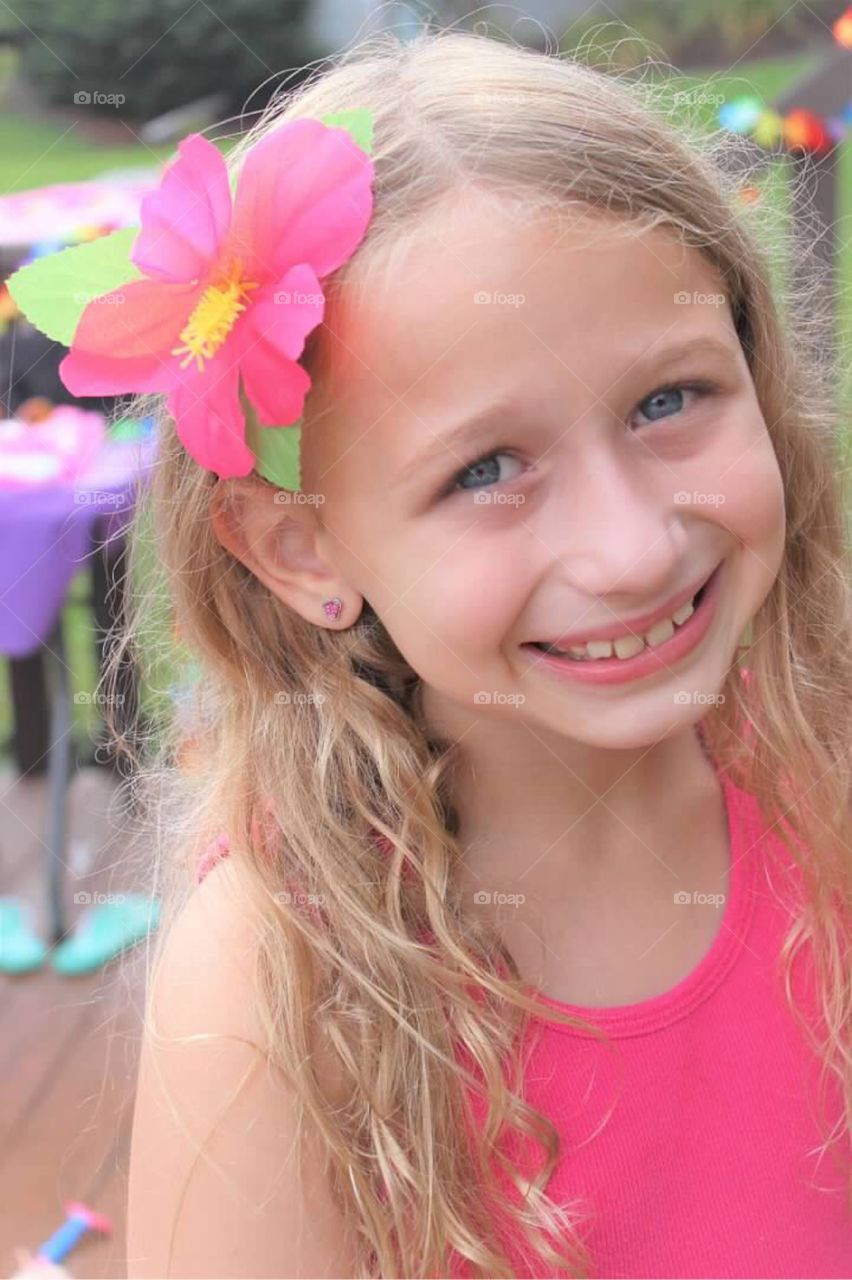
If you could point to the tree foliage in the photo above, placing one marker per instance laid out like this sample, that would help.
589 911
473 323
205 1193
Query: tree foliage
140 58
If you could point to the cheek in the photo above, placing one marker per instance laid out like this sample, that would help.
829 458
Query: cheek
457 602
734 477
750 496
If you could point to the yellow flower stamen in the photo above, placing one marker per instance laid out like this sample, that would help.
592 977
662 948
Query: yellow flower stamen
214 317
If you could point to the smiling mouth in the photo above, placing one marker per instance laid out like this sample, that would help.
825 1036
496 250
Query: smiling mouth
629 645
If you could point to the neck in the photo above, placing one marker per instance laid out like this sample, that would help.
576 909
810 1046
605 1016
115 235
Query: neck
542 814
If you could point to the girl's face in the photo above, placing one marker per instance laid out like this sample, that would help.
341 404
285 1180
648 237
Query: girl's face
543 428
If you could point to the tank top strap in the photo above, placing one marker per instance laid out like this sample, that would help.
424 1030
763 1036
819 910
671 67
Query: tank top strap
217 849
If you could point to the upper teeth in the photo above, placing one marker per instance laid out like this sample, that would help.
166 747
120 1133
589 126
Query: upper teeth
628 646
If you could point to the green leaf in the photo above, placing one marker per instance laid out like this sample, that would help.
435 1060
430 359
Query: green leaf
359 122
54 291
277 452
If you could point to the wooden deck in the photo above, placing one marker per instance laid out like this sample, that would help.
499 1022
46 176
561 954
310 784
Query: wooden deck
68 1046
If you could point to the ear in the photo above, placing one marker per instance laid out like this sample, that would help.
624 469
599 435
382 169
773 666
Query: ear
277 539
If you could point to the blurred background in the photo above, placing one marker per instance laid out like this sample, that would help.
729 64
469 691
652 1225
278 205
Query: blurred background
94 96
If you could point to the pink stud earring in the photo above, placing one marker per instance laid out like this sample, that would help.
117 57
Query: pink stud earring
332 607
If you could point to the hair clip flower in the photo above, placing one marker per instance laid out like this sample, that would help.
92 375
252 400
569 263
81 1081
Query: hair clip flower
215 296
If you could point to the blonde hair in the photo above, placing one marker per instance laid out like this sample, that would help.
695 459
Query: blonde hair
414 1026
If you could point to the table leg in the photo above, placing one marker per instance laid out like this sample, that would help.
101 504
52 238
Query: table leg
30 715
58 772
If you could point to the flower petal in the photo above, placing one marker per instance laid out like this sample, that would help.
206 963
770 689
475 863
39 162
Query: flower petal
303 195
287 311
185 220
124 339
209 417
276 386
275 327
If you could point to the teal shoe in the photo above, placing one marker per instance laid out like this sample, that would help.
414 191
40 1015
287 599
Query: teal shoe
104 930
20 949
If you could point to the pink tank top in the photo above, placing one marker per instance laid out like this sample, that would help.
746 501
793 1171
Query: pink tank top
707 1164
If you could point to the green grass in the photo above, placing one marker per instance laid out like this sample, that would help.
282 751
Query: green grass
38 154
766 77
35 154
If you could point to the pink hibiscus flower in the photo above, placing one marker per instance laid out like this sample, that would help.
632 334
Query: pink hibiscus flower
230 291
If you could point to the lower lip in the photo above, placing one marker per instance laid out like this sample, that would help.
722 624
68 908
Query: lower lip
620 670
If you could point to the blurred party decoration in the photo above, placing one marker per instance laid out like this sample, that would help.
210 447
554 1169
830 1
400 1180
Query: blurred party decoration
55 449
741 115
48 1259
799 129
124 429
768 129
813 116
804 131
73 212
842 29
35 409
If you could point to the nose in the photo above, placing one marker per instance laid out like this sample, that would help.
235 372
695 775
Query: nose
619 534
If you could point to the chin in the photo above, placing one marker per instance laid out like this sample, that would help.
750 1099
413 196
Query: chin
668 708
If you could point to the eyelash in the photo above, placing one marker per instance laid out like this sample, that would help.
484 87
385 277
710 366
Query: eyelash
701 389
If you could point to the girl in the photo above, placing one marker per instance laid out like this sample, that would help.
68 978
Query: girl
531 954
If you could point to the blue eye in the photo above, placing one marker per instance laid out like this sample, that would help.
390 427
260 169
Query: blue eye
668 401
482 470
670 398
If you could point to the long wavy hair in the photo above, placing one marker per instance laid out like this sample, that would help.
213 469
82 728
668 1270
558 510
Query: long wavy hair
303 742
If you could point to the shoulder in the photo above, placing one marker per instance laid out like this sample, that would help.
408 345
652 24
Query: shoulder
205 967
206 976
214 1188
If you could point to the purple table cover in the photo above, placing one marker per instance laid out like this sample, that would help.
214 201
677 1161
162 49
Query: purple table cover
46 537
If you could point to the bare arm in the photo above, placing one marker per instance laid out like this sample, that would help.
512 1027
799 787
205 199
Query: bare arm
214 1189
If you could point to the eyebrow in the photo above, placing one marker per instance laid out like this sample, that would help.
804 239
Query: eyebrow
479 425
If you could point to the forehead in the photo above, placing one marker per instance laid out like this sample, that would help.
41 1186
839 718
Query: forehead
487 298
